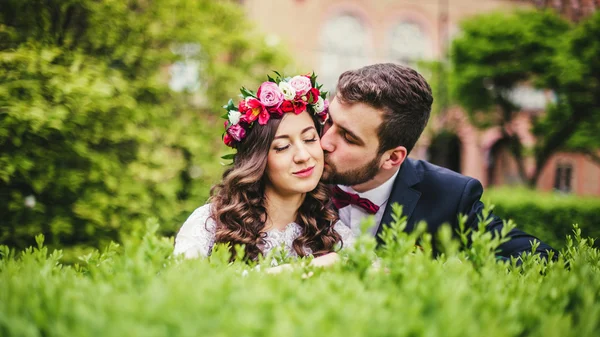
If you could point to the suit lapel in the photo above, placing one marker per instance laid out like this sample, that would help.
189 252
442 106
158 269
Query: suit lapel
403 194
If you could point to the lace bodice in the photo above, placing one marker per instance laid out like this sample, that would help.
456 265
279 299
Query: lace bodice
197 235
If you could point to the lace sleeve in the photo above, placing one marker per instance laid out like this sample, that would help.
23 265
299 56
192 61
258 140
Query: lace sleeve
197 235
346 233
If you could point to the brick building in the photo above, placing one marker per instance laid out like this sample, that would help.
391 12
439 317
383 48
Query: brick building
336 35
575 10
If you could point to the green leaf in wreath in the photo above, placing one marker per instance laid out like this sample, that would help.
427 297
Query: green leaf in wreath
313 79
247 93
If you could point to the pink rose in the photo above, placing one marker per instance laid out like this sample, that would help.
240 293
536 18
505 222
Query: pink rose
236 132
270 95
301 84
326 102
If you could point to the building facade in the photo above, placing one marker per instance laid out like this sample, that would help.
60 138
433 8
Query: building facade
575 10
332 36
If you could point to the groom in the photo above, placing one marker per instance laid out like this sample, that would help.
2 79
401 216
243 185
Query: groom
376 117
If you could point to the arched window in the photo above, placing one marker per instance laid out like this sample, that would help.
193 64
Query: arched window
344 42
409 43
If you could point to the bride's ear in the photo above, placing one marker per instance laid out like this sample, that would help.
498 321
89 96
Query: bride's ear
394 157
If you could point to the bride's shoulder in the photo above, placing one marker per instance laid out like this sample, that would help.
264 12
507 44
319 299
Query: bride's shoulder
202 211
199 219
345 232
196 236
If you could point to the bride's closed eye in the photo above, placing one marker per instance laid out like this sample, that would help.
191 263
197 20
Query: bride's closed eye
281 148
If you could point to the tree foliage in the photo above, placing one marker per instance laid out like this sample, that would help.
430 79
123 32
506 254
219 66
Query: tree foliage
499 51
92 140
573 122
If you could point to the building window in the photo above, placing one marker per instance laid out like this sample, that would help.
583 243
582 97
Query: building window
344 43
409 43
185 73
563 178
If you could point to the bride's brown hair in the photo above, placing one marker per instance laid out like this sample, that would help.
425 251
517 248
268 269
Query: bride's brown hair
238 203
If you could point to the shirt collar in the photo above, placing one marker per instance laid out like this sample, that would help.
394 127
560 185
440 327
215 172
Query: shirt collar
380 194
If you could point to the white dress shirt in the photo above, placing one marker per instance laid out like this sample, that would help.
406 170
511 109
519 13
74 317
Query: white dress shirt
352 215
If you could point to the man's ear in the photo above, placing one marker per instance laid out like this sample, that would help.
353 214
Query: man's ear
394 157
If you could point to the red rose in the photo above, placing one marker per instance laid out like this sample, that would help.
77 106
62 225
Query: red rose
243 107
275 112
287 106
323 117
312 96
299 107
228 140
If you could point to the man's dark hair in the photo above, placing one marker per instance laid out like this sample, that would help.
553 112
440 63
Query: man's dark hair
400 92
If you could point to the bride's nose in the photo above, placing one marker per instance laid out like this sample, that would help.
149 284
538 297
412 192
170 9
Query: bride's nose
301 155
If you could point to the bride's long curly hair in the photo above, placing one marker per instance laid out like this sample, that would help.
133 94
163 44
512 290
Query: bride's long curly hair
238 202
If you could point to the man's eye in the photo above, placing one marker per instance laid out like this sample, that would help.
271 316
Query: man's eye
348 138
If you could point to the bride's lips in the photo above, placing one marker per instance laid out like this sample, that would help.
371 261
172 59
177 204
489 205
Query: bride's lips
305 173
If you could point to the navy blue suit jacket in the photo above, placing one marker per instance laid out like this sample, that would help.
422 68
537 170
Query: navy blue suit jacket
438 195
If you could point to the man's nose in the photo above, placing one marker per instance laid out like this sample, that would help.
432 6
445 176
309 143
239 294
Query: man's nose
327 139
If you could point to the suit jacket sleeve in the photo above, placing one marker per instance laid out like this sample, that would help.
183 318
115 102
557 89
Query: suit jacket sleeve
520 241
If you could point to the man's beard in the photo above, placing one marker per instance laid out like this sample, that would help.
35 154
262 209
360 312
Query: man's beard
331 174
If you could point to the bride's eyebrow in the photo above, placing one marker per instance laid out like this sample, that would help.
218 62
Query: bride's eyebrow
303 131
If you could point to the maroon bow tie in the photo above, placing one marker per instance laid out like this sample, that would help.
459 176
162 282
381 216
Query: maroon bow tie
342 199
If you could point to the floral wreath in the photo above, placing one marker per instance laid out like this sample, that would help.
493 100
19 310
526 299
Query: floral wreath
274 98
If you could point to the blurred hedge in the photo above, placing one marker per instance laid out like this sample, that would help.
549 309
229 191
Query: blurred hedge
549 216
92 140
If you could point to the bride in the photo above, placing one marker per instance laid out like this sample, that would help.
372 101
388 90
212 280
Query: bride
272 195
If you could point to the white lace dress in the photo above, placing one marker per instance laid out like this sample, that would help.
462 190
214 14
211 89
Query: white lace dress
197 235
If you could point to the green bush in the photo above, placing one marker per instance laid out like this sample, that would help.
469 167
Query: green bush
549 216
92 140
137 289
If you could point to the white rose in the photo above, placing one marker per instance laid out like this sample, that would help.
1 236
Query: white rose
234 117
289 93
319 105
